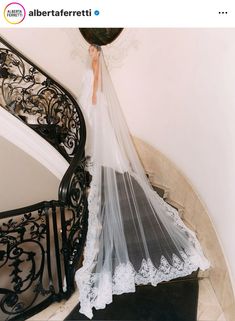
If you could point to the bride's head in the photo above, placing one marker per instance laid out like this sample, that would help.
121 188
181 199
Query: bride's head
94 51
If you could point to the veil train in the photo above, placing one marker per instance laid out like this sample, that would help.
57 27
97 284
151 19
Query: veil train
134 237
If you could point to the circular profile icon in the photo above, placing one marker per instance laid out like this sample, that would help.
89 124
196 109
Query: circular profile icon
14 13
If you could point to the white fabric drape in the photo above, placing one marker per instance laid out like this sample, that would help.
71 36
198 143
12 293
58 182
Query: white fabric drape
134 237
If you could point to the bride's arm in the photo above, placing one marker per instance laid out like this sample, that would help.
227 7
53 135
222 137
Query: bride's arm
95 68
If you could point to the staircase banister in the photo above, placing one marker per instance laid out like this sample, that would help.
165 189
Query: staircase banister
9 46
30 234
66 114
66 182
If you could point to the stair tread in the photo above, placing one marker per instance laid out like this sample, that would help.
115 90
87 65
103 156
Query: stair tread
167 302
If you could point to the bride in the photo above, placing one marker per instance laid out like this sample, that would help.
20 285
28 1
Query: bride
134 237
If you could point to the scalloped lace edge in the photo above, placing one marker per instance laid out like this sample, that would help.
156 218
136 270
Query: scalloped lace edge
125 278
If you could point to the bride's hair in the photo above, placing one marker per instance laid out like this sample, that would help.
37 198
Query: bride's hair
97 47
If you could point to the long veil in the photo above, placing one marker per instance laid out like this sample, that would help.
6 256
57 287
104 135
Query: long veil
134 237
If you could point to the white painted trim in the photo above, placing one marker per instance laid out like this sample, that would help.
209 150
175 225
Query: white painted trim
31 143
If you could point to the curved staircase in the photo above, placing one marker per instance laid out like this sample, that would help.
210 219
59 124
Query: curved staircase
41 244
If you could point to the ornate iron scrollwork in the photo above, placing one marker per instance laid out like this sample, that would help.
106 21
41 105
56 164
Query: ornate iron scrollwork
41 245
75 225
40 102
24 247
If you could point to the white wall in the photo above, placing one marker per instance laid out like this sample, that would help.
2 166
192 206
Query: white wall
177 90
29 142
24 181
30 168
183 103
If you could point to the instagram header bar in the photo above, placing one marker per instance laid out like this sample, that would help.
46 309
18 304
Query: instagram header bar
117 13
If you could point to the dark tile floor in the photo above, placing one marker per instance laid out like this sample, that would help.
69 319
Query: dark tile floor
171 301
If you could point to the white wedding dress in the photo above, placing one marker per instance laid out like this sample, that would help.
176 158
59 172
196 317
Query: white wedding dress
134 237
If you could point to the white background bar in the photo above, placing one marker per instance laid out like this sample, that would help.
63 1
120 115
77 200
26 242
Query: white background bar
127 13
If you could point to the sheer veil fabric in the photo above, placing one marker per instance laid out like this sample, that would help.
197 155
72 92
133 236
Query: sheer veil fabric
134 237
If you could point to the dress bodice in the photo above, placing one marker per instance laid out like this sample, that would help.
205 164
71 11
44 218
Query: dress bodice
100 130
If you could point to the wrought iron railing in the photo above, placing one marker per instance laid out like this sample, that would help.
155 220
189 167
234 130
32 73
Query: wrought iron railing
33 96
41 244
